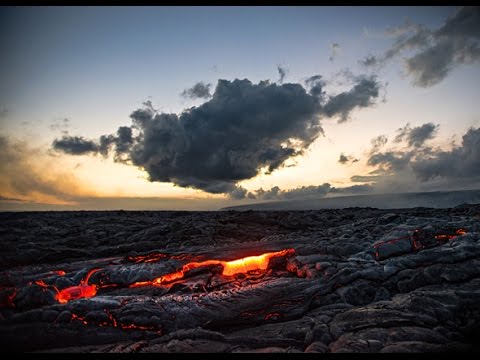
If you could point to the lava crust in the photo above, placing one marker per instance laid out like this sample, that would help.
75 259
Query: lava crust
346 280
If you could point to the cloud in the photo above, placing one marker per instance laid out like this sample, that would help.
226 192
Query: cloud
462 162
243 130
306 192
392 160
60 125
75 145
334 50
6 198
401 133
282 71
418 135
346 159
198 91
436 51
315 84
378 142
365 178
360 96
421 168
3 112
370 61
26 175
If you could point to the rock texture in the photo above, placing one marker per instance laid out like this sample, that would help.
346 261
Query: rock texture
358 280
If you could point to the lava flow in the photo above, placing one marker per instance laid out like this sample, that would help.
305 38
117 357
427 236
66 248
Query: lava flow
416 242
77 292
230 268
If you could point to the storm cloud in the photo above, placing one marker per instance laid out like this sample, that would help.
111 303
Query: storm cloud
198 91
436 51
244 129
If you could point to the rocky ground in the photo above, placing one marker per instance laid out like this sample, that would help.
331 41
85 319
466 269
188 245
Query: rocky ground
346 280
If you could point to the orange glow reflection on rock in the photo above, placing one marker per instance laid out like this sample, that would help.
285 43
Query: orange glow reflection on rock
77 292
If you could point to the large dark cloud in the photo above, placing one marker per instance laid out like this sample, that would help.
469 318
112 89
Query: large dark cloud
198 91
243 130
360 96
437 51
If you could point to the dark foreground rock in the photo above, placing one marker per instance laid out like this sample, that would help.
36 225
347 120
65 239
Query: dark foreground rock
357 280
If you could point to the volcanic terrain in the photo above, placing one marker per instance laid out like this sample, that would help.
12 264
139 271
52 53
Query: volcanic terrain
338 280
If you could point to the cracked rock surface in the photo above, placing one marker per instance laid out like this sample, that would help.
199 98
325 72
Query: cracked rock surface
357 280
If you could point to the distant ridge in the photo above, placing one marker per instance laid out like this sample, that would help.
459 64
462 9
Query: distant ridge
435 199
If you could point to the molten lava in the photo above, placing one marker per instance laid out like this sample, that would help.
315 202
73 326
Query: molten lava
77 292
85 290
230 268
416 243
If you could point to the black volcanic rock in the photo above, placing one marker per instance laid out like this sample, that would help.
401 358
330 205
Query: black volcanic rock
360 280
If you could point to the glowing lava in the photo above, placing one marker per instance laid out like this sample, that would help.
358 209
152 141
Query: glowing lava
77 292
416 243
230 268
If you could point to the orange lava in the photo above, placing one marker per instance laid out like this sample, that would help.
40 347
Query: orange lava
77 292
230 268
415 244
458 232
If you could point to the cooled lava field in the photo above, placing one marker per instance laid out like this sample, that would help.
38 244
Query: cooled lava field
343 280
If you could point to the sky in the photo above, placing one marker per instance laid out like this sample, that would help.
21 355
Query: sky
197 108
